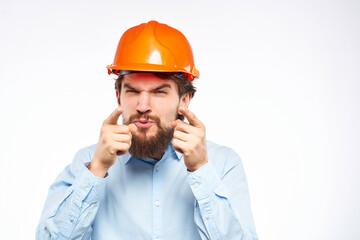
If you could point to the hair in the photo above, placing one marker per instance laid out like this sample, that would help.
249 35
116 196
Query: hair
184 85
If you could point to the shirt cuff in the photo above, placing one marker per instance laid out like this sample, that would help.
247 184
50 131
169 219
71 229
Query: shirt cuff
204 181
86 182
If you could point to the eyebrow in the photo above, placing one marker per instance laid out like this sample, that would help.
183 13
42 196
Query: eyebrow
165 85
130 87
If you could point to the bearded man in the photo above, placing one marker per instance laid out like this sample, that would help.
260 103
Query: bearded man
154 176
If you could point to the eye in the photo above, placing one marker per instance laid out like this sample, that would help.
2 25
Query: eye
131 91
161 92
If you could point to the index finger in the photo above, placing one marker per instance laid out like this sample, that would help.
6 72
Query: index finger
114 117
191 117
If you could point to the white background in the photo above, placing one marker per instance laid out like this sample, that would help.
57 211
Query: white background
279 83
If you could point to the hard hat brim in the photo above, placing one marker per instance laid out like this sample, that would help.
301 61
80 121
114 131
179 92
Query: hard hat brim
153 68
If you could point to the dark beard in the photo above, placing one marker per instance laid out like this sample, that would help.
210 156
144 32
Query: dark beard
152 147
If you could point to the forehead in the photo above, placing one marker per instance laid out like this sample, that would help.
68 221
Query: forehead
146 81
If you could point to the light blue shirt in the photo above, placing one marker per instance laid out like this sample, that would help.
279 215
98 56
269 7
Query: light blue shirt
149 199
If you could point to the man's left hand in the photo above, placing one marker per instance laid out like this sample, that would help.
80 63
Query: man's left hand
190 140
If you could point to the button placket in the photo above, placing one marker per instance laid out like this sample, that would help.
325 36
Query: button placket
157 198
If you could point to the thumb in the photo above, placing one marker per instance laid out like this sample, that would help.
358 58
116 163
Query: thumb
114 116
132 128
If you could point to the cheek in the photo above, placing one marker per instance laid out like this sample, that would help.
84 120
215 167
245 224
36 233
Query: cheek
128 105
166 111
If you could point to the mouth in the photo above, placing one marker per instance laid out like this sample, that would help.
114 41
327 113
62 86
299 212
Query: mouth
143 123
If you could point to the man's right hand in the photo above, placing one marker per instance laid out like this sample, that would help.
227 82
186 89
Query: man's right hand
115 140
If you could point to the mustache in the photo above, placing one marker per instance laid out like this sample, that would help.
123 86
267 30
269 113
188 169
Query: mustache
143 116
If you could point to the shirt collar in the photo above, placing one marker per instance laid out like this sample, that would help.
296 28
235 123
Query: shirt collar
170 150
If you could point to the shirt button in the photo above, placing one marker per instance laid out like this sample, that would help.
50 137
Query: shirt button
71 219
207 216
86 185
196 185
157 168
157 203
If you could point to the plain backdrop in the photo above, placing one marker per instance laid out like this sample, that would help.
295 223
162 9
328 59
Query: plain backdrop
279 83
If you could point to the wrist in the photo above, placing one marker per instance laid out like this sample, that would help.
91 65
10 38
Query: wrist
97 169
196 167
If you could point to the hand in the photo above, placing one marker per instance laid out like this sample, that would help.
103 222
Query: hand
190 139
115 140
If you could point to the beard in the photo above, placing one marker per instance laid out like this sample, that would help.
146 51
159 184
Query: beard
149 147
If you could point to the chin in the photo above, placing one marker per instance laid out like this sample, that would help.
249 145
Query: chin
148 132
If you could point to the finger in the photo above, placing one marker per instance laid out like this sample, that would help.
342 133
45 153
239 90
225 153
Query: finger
114 117
121 147
118 129
191 117
182 126
181 136
124 138
179 145
178 150
123 150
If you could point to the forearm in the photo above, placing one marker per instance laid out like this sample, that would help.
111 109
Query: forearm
72 204
222 210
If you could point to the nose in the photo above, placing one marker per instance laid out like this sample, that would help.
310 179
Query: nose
143 105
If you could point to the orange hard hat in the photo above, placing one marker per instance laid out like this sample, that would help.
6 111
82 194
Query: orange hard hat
154 47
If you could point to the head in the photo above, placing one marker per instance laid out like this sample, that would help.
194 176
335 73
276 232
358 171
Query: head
152 101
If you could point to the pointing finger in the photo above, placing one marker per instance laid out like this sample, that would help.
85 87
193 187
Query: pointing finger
114 117
191 117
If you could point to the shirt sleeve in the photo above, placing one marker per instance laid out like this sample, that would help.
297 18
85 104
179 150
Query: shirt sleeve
72 202
222 206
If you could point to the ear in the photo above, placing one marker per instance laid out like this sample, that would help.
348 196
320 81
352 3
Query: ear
118 98
184 101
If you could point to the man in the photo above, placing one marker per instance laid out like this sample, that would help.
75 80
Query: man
155 176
